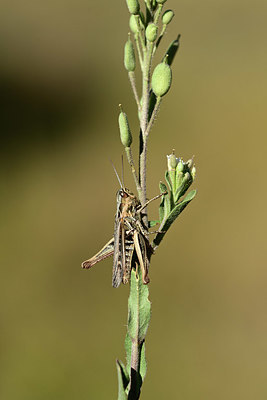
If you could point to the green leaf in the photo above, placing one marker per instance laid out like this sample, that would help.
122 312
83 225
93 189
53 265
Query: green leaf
172 176
186 183
153 223
152 103
168 200
167 206
139 312
143 364
163 189
139 308
168 180
165 225
172 50
123 380
128 349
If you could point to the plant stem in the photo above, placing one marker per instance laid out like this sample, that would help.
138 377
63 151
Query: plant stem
153 116
144 120
131 75
129 155
140 33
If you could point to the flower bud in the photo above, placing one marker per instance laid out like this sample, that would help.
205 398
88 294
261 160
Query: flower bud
189 163
193 172
172 161
129 56
151 32
125 133
161 79
179 179
167 17
187 177
180 166
163 187
133 6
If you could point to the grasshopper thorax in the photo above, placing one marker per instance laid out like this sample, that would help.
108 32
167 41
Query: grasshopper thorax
127 202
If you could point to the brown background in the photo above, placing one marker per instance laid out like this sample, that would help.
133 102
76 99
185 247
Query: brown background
61 78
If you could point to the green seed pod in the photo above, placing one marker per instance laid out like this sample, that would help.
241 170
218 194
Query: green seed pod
161 1
129 56
125 133
167 17
133 24
151 32
161 79
133 6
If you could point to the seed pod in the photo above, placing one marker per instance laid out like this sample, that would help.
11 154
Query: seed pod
151 32
125 133
133 24
129 56
161 79
133 6
167 17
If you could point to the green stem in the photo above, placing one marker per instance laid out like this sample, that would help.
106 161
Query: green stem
140 56
144 119
160 37
153 116
140 33
129 155
131 75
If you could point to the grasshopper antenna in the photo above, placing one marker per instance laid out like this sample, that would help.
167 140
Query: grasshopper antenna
116 173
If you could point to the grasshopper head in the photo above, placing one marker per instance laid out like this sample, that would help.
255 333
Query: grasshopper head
124 193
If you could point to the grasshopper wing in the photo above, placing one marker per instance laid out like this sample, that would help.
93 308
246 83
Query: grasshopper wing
117 271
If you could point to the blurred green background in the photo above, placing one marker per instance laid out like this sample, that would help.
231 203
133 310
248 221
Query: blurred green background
61 80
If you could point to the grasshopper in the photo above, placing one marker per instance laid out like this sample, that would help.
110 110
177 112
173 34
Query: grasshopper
130 241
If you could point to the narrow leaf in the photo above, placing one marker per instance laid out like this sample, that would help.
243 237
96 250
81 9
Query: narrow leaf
165 225
143 365
168 180
163 189
128 348
122 381
139 309
153 223
183 188
172 50
171 198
